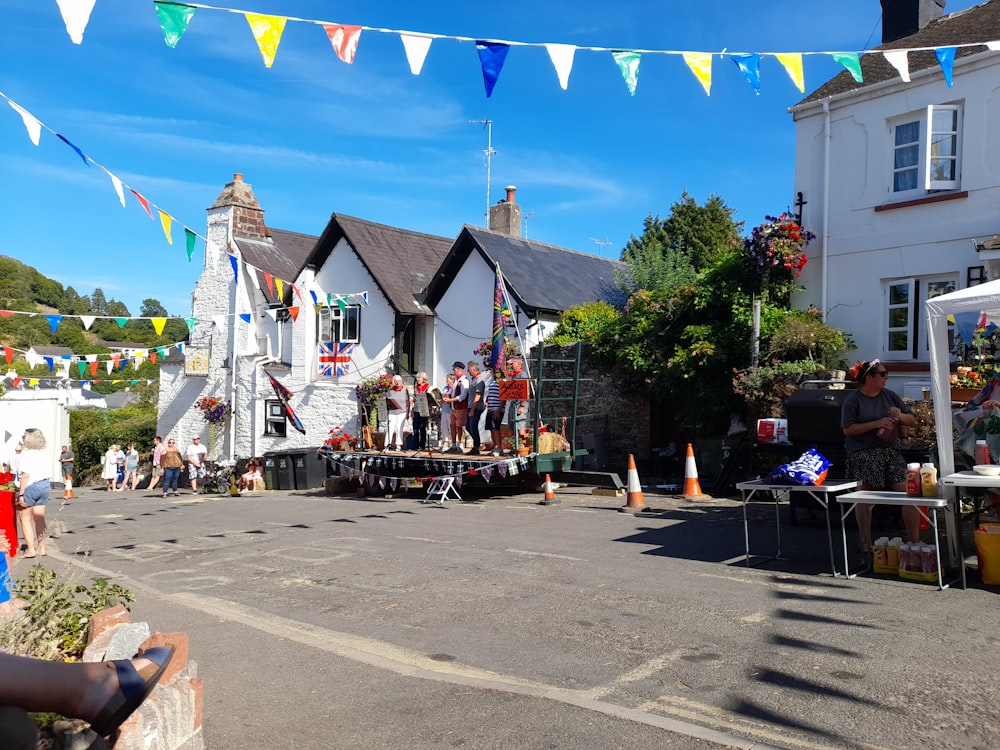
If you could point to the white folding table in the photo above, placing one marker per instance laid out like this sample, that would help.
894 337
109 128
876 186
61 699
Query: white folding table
886 497
821 494
975 481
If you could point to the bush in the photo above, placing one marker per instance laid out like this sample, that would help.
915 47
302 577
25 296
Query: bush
766 388
92 431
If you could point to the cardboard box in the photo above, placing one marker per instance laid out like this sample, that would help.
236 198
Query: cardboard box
772 430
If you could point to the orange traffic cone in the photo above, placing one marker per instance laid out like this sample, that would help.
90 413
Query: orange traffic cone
692 488
68 489
550 494
635 502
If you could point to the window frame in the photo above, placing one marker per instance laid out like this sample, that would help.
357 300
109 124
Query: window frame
927 149
272 428
914 328
332 321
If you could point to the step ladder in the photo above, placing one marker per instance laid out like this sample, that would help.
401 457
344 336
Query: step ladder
441 489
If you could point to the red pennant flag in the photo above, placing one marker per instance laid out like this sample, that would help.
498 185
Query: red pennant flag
344 40
8 353
143 201
152 357
6 313
17 382
270 282
93 367
294 312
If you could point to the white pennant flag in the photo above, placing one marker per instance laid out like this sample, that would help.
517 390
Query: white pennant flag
897 58
118 188
416 46
111 366
88 321
33 126
272 313
90 357
562 59
993 46
76 15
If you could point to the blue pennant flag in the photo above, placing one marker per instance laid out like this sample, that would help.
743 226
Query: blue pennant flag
750 65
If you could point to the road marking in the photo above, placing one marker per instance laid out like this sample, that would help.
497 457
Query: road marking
545 554
424 539
790 586
642 672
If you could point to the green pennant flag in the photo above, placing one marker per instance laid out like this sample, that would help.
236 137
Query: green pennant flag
82 366
121 322
628 64
189 237
850 61
341 304
190 323
174 21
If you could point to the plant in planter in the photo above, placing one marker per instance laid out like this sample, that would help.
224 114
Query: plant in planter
216 412
776 250
368 392
766 388
339 440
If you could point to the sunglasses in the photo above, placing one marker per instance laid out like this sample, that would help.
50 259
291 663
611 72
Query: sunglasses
882 373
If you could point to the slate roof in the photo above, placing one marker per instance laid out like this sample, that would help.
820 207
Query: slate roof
401 262
539 276
52 351
980 23
283 257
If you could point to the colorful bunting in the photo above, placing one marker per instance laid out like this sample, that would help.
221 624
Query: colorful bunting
189 240
142 202
562 59
491 59
792 62
165 221
628 64
174 21
946 58
80 153
700 64
898 59
344 40
851 62
416 47
33 126
54 321
76 15
158 325
749 65
267 31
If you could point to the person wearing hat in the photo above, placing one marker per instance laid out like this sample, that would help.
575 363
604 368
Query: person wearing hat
196 454
459 406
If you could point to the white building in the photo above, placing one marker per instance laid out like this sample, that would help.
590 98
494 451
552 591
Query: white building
901 181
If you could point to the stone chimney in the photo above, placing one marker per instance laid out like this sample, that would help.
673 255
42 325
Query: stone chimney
248 216
505 216
905 17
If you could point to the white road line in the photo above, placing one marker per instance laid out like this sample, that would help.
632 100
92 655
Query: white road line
530 553
642 672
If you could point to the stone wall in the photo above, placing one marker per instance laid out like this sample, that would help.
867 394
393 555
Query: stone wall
612 423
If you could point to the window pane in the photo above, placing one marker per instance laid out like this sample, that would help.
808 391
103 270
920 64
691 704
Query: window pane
942 169
945 120
899 294
908 156
943 145
904 181
899 317
936 288
908 133
898 341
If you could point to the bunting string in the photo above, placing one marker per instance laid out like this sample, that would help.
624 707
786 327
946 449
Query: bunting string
347 464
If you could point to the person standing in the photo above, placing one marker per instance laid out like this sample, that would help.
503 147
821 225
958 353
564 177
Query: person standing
397 400
66 459
157 471
119 468
494 413
109 469
420 385
870 418
131 468
459 406
477 404
196 454
449 386
33 492
516 416
172 462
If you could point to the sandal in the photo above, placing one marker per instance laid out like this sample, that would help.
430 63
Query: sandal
134 686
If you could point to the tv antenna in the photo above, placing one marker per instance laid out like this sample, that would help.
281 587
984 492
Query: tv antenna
526 217
487 160
601 244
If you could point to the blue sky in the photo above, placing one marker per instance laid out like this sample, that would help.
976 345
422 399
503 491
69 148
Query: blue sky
314 135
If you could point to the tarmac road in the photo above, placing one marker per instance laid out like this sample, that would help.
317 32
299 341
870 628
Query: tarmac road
322 622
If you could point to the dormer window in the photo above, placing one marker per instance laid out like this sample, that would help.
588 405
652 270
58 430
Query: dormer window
926 151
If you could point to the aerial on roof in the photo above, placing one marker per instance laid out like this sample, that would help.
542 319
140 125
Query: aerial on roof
980 23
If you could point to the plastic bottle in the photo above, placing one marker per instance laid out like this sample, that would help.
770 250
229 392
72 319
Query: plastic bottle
884 432
982 452
913 480
928 480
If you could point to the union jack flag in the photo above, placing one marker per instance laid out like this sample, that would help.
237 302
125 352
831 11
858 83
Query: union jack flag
334 358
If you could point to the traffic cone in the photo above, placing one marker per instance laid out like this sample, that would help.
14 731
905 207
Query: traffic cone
634 502
550 495
692 488
68 489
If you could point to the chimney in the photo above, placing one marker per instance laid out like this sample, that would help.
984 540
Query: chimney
505 216
901 18
248 216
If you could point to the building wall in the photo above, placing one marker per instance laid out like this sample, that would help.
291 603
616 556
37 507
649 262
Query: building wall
865 247
43 413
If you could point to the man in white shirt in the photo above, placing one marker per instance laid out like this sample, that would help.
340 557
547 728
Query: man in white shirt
196 454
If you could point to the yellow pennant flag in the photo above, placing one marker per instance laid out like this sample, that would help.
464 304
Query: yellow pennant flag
793 66
267 30
166 220
700 64
280 286
33 382
158 324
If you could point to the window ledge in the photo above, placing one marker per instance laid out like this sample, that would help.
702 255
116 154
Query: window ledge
936 198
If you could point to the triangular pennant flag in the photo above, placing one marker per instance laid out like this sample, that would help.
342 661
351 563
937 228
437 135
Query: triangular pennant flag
174 21
792 62
93 367
272 313
267 31
245 317
189 239
121 322
344 40
562 58
90 357
946 58
487 473
88 321
269 280
8 354
750 67
190 323
416 47
700 63
82 367
50 362
628 64
33 382
6 313
491 59
236 271
79 153
279 286
54 321
118 187
33 126
142 202
297 292
16 383
341 304
76 15
180 347
110 365
152 356
294 312
165 221
364 298
158 324
315 298
897 58
851 62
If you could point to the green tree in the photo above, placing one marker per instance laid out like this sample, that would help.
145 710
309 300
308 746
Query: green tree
98 303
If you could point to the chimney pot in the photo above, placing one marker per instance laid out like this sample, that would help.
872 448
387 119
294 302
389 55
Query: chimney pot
510 193
237 177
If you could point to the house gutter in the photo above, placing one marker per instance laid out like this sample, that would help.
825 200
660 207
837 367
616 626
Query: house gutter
827 137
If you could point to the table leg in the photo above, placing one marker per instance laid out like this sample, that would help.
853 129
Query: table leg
843 527
746 526
829 531
937 548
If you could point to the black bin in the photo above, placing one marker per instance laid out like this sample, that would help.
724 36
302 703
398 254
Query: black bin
299 470
271 471
316 470
284 471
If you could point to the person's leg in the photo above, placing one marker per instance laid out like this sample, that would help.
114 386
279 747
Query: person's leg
154 479
864 515
193 476
28 532
911 522
18 731
41 533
